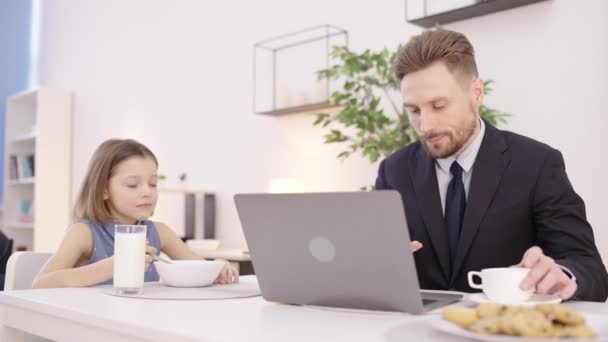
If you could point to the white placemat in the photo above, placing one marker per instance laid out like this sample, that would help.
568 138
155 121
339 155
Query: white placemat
162 291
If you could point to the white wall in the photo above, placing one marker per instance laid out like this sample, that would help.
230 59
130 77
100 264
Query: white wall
177 76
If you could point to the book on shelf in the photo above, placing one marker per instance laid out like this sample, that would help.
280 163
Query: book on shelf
21 166
13 172
26 211
30 161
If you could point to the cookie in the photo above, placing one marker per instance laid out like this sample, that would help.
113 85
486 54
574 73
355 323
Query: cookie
579 331
485 310
561 314
530 324
546 309
513 309
463 317
568 316
489 325
506 324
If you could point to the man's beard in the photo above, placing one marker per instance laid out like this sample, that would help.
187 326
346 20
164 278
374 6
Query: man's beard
454 143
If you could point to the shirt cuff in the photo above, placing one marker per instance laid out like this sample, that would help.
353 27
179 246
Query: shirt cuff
568 272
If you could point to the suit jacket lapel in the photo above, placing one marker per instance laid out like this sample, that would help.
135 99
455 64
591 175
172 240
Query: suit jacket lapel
429 202
488 169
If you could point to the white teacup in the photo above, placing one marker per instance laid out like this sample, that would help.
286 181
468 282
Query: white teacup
502 285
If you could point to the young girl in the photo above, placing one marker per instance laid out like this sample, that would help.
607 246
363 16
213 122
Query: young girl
120 187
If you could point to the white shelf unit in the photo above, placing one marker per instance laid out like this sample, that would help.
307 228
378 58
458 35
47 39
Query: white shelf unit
20 225
22 181
39 124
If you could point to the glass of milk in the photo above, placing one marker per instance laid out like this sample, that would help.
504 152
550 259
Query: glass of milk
129 258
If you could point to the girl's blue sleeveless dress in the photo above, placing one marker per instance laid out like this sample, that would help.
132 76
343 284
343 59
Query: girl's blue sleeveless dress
103 244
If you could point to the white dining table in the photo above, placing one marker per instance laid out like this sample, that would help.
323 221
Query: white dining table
90 315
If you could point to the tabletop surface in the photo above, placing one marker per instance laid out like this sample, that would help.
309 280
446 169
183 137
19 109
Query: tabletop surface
251 319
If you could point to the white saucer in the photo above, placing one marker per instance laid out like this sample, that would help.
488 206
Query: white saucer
534 300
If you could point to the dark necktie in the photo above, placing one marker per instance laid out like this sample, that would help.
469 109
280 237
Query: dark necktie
455 204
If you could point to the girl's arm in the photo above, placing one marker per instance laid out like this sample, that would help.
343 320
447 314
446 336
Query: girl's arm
61 270
172 245
176 249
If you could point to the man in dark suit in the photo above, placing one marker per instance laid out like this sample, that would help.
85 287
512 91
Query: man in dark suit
477 197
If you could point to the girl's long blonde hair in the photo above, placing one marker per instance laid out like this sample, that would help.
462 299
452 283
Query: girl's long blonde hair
90 203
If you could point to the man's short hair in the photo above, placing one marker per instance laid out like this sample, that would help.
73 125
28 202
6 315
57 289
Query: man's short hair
451 47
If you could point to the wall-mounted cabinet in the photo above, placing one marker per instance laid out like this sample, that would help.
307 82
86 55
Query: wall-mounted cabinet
285 70
428 13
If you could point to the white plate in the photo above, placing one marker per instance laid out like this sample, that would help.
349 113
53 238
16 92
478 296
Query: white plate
599 323
534 300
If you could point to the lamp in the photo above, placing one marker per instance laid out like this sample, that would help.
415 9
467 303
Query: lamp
285 185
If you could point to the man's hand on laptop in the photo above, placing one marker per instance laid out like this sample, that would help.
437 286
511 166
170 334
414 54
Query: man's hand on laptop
415 245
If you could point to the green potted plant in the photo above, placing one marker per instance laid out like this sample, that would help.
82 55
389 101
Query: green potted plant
362 124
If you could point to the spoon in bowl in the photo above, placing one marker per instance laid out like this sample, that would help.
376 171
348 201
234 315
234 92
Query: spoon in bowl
158 258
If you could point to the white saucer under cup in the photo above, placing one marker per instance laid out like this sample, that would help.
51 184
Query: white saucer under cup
534 300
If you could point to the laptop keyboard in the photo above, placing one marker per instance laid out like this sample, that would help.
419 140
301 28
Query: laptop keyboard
428 301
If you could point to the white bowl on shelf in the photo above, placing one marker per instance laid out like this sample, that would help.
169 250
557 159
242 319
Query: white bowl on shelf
189 273
203 244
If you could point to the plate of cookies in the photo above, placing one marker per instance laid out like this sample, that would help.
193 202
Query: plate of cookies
496 322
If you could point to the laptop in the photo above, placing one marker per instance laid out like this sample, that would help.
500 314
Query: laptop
346 250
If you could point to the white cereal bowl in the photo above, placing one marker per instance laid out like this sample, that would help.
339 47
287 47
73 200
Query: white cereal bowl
189 273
